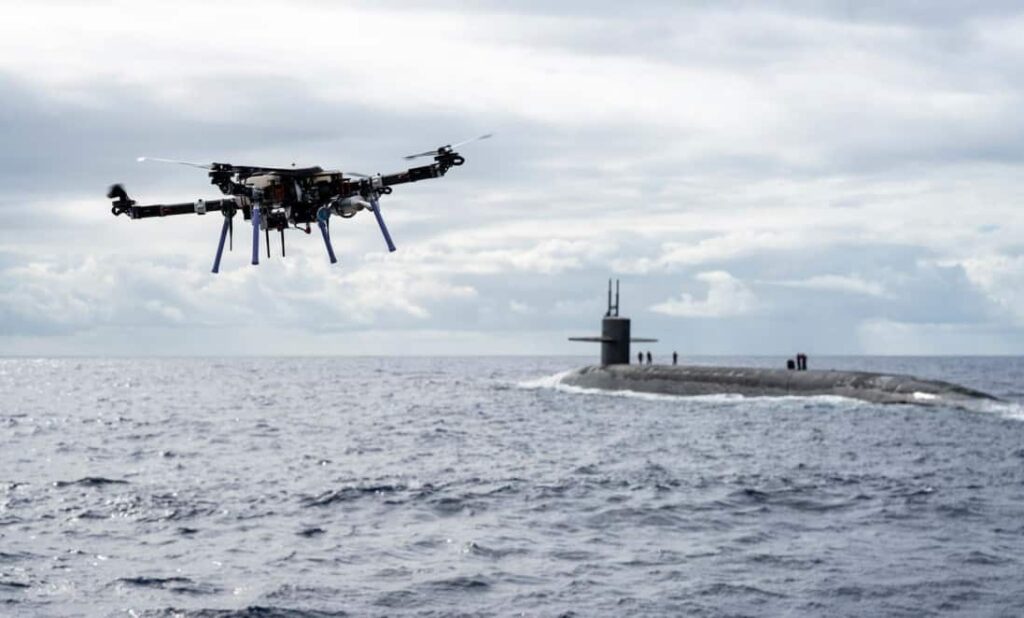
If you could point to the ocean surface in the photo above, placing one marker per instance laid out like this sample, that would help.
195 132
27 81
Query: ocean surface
479 486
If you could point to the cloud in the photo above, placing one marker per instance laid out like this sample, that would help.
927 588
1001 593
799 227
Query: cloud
519 307
881 336
1001 278
48 299
721 247
727 296
850 284
857 161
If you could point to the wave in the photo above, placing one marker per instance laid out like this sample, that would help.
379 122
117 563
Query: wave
90 481
13 585
252 611
1011 410
348 494
177 584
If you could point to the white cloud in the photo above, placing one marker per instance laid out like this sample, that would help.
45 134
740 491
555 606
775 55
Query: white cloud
1001 278
518 307
707 139
724 246
883 337
850 284
727 296
45 298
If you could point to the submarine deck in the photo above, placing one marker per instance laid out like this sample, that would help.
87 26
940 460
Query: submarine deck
689 380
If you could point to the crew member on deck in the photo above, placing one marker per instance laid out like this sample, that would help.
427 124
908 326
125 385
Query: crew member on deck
648 357
639 358
675 358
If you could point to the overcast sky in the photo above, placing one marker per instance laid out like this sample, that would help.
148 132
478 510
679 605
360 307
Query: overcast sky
830 177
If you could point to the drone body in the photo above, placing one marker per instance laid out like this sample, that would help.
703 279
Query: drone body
274 198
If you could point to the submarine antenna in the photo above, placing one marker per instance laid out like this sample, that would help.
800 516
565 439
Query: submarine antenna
609 312
616 298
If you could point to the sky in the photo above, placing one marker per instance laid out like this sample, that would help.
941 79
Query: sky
763 178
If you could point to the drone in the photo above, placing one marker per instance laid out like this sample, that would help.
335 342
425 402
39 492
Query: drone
286 198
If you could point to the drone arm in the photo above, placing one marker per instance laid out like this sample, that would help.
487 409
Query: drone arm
411 175
442 163
199 207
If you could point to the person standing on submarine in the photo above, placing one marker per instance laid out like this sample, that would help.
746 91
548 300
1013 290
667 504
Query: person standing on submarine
648 357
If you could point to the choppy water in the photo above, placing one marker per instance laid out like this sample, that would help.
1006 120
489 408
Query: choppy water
328 487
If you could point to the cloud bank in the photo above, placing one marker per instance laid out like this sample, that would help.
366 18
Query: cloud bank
838 178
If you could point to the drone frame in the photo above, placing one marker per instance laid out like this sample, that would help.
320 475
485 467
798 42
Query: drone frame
330 193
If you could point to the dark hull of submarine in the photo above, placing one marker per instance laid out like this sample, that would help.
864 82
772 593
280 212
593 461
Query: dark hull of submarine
688 380
615 373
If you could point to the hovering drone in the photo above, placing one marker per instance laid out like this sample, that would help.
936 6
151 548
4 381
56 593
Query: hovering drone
280 198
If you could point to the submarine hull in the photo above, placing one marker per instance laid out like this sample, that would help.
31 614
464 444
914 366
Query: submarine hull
756 382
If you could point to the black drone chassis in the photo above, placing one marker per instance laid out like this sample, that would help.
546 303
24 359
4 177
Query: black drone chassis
289 198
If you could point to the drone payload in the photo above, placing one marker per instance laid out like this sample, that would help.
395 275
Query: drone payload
276 198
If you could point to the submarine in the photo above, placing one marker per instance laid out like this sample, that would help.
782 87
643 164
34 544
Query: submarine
616 373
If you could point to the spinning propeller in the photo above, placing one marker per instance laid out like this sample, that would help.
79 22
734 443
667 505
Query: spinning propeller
245 170
447 149
201 166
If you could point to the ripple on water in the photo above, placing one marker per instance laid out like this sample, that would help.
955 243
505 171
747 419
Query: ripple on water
334 487
176 584
252 611
90 481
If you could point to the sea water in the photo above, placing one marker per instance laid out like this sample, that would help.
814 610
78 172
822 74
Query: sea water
482 486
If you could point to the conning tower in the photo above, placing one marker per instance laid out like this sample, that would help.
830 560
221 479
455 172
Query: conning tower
615 336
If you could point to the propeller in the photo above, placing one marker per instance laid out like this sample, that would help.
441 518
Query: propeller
474 139
235 169
449 147
202 166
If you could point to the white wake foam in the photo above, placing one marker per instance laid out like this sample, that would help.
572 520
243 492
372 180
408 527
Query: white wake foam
1006 409
554 382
